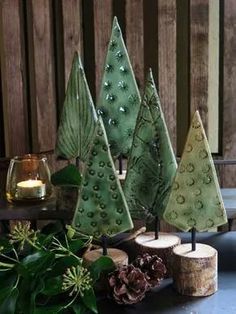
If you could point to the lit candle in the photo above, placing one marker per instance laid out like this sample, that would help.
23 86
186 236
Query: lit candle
31 189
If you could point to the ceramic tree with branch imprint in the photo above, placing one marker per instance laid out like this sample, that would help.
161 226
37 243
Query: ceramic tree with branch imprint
151 169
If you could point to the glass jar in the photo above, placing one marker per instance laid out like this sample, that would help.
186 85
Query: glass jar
28 179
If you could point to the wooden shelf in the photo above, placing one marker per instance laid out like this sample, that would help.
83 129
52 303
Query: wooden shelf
46 210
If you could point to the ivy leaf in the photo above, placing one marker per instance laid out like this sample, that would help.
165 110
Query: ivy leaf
9 299
89 299
69 175
5 245
38 262
48 309
61 265
101 265
79 309
53 286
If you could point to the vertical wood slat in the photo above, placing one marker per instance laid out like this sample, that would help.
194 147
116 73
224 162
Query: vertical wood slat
167 63
72 32
13 78
135 38
102 32
167 70
41 71
182 72
213 75
199 21
229 91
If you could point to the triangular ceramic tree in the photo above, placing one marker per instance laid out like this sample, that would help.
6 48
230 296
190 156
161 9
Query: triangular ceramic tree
78 118
119 98
195 201
101 208
151 165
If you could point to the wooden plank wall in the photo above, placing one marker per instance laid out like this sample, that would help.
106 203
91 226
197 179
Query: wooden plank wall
38 39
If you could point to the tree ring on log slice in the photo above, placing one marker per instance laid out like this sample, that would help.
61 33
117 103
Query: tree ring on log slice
119 257
195 272
162 247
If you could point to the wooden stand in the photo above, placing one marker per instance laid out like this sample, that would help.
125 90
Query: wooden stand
195 272
162 247
119 257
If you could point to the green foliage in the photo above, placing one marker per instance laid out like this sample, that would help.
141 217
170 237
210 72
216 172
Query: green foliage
43 273
119 99
69 175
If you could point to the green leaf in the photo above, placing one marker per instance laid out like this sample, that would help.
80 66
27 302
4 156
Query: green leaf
29 289
69 175
80 309
8 305
78 117
62 264
38 262
48 309
89 299
104 264
75 245
53 286
7 280
5 244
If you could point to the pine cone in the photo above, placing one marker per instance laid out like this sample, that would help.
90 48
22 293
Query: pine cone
128 285
152 267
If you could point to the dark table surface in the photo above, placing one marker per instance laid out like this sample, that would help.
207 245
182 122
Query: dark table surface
165 300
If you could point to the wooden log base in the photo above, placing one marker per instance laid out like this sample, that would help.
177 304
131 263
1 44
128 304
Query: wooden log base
162 247
119 257
195 272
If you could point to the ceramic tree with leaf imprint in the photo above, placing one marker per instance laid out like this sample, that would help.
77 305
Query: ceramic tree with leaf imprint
78 118
119 98
150 172
196 204
101 210
76 129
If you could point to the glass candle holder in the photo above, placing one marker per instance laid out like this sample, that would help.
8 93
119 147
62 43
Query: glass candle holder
28 179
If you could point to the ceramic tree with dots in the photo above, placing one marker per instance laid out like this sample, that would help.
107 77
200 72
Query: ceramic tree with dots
78 118
102 210
150 171
195 203
119 98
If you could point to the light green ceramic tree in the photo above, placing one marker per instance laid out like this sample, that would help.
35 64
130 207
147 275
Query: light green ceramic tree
151 165
119 98
195 200
101 208
78 118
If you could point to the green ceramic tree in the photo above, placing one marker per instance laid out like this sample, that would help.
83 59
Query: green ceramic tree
151 165
119 98
101 208
78 118
195 200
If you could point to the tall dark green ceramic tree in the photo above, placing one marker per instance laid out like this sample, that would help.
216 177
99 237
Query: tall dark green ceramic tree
119 98
78 118
195 200
151 165
101 209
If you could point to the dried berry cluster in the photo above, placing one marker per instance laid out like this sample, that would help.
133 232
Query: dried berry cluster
129 284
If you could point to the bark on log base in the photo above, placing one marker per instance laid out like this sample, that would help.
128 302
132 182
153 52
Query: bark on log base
162 247
119 257
195 272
